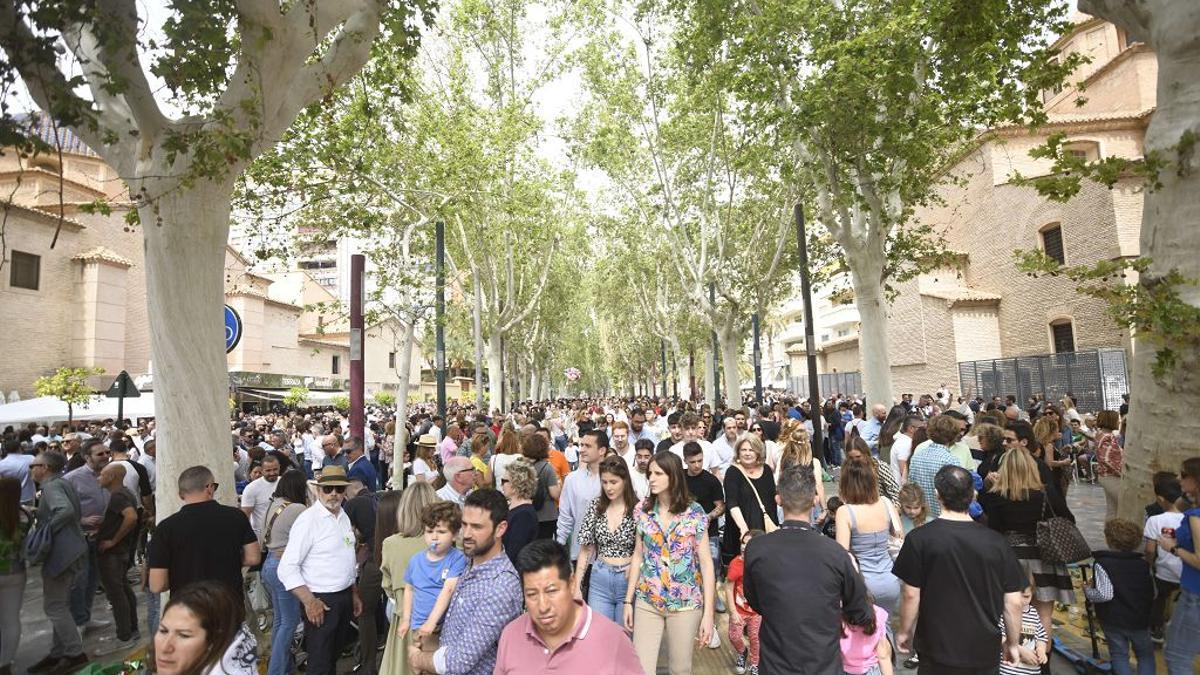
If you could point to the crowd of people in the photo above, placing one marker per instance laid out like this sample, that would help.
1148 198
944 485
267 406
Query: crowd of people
578 535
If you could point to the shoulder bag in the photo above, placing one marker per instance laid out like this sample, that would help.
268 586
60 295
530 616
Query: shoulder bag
1059 540
768 524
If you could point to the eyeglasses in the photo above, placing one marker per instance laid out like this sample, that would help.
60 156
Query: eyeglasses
504 481
329 489
36 465
214 486
756 429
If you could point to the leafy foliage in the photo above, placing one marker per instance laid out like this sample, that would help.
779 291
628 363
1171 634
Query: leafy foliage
68 385
296 397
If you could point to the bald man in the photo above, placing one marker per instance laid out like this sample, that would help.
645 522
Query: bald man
870 429
115 538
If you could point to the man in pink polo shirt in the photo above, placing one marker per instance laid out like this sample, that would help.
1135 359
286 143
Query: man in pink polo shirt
558 634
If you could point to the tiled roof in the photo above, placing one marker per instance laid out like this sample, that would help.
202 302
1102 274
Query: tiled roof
44 128
42 215
959 294
102 254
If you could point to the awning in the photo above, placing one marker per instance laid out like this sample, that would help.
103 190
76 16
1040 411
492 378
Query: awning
51 409
315 398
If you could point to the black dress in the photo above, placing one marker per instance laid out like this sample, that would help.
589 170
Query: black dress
738 494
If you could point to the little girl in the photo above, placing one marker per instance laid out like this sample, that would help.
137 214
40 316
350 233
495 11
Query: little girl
430 577
867 653
743 620
913 508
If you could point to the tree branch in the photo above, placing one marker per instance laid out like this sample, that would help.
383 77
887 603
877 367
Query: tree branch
119 53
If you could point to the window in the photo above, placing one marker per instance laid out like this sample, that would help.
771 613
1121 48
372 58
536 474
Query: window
843 332
391 359
1052 244
1084 151
336 366
1062 334
26 270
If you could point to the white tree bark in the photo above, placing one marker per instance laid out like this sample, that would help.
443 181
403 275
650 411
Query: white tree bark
403 373
710 384
730 341
1162 425
866 275
185 232
495 371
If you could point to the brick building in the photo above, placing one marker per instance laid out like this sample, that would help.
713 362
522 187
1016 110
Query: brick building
983 307
82 302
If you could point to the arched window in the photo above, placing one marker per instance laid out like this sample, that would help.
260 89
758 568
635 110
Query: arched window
1052 243
1062 336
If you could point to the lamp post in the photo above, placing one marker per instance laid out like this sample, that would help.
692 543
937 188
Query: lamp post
440 315
810 339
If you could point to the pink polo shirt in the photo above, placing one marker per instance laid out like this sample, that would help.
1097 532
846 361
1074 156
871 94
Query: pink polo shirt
598 647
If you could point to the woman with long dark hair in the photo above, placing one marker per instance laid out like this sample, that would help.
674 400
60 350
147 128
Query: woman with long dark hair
202 633
865 523
608 533
671 583
291 499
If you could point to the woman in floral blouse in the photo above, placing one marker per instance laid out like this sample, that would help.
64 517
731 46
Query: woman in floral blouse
671 582
607 539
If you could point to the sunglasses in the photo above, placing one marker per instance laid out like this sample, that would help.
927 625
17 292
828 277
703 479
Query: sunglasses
36 465
756 429
329 489
214 486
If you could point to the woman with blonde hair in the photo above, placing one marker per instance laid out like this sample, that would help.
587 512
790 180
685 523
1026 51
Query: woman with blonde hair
797 450
408 540
749 492
1014 505
519 484
1048 432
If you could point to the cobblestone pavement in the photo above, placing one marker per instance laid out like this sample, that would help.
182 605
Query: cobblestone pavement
1087 502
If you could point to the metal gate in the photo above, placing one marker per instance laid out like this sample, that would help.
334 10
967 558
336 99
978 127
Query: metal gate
849 383
1097 378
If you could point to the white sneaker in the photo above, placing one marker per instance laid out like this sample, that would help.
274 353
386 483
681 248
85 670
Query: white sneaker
715 641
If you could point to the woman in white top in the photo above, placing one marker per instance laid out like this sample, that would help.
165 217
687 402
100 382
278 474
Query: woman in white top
508 449
423 467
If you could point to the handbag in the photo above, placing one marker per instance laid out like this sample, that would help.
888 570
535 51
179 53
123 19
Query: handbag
768 524
1059 541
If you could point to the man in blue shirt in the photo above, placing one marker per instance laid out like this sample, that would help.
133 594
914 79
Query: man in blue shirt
872 426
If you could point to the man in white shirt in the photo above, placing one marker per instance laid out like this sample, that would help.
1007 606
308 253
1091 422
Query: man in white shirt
580 487
460 478
149 452
690 422
902 447
723 448
639 472
318 567
256 498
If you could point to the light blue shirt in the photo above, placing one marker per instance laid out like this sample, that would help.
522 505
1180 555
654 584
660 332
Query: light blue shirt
16 465
869 430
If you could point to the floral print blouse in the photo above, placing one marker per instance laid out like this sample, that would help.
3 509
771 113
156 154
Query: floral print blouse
669 579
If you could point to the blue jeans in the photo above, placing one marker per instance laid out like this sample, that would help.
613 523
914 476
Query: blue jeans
606 591
1182 644
308 468
83 591
1119 642
285 618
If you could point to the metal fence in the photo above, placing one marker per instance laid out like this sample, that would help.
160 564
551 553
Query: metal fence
1096 378
828 383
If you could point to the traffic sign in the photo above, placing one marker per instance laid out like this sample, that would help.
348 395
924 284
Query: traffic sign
233 329
123 386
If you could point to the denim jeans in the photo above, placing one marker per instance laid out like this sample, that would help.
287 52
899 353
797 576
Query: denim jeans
113 569
606 591
286 618
83 591
1119 642
1182 645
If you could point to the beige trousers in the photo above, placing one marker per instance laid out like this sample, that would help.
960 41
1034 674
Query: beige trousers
1112 488
681 629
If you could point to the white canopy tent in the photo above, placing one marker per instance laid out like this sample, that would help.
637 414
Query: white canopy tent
50 409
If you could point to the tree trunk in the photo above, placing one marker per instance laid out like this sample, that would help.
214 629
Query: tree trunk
403 373
1162 425
495 371
730 342
186 231
866 272
477 329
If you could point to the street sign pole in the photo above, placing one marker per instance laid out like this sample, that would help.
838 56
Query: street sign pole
440 353
810 338
120 388
716 360
357 416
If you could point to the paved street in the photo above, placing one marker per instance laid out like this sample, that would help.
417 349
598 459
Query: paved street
1087 501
